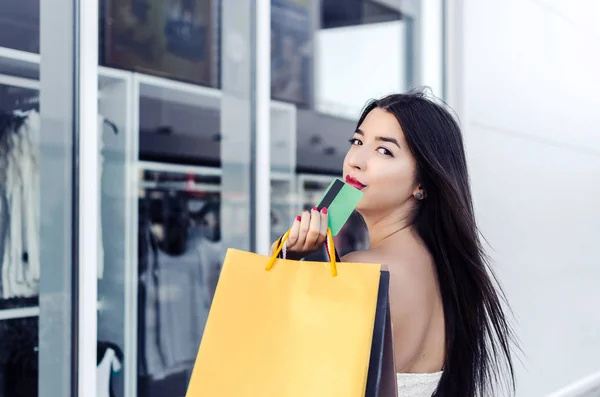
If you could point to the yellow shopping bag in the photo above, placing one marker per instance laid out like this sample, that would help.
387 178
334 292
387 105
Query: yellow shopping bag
283 328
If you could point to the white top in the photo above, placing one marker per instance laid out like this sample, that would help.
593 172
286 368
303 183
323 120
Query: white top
418 385
109 364
21 257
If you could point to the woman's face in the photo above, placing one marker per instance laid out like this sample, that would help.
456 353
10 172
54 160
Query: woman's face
380 163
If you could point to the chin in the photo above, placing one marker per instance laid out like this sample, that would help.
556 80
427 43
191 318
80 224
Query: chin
362 207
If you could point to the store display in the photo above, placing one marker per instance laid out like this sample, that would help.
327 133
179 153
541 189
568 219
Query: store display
20 198
172 38
179 262
291 51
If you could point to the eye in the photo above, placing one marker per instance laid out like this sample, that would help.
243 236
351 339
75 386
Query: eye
355 141
385 152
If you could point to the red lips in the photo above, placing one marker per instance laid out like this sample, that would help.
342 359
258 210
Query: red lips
355 182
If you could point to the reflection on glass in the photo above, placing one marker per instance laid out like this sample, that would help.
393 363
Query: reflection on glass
361 55
179 261
172 38
291 50
282 206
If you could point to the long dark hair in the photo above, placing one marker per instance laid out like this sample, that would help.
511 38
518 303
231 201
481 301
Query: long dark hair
478 335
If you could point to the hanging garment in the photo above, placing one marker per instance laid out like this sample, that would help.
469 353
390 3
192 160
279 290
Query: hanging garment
109 362
4 222
152 361
182 309
21 258
211 260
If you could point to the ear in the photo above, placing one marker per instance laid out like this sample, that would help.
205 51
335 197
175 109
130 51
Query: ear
419 193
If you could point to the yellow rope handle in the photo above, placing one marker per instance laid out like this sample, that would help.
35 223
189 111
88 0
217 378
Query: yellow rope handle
277 250
330 250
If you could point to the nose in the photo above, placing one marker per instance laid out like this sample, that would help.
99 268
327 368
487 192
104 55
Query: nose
357 158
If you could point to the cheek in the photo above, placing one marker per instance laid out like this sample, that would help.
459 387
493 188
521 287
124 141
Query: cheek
345 166
397 174
393 181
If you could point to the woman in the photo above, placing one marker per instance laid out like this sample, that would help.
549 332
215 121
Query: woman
451 336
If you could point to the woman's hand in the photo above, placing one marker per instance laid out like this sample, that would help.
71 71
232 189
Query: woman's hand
307 234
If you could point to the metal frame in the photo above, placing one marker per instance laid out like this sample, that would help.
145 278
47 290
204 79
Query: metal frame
68 106
131 242
454 30
86 199
432 45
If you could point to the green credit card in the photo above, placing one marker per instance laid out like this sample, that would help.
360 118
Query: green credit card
340 199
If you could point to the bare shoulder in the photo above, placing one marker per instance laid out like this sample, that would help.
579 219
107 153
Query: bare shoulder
366 256
412 277
400 268
416 307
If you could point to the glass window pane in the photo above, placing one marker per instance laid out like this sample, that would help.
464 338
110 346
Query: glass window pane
36 212
175 179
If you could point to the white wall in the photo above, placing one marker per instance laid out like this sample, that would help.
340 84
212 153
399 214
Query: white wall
530 109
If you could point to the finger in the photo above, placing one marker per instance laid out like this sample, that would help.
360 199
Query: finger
294 232
324 223
312 237
304 225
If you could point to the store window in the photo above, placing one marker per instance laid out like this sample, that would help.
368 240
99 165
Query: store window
38 131
176 181
177 186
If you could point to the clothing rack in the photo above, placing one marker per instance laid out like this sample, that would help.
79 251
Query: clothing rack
28 101
181 186
31 311
21 312
19 82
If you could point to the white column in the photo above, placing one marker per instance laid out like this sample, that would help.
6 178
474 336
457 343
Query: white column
86 117
262 108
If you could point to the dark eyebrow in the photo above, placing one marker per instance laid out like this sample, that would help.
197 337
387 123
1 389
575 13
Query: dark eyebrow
379 138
